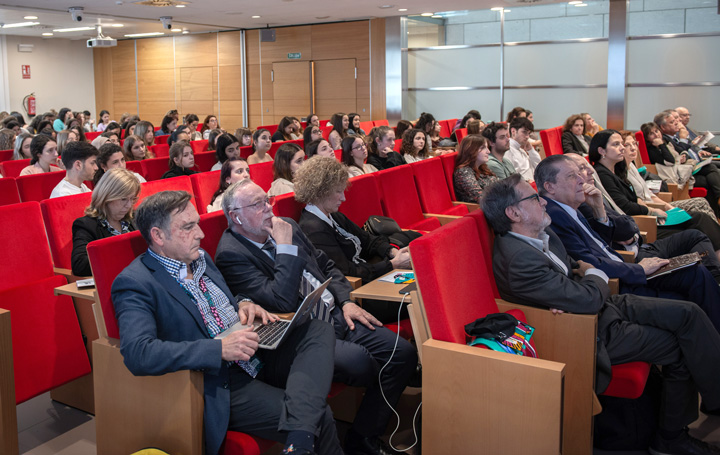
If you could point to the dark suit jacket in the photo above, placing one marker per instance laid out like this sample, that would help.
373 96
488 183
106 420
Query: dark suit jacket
619 228
275 285
342 250
162 331
571 144
581 247
620 191
84 230
525 275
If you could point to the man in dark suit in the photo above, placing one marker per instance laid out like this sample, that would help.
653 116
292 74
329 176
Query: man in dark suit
561 185
684 116
531 267
271 261
171 303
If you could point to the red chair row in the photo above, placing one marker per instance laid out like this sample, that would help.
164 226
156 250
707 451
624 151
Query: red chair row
12 168
6 155
552 140
8 191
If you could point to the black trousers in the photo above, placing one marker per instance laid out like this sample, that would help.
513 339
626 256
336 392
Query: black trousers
683 242
674 334
290 392
709 177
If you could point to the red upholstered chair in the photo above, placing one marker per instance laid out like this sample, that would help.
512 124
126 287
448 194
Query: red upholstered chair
204 185
262 174
460 134
246 151
552 140
367 126
155 425
400 200
338 154
276 145
42 345
199 146
5 155
134 166
383 122
204 161
160 150
446 127
213 225
92 135
37 187
59 214
362 199
270 128
448 163
454 290
433 190
8 191
12 168
325 131
162 139
287 206
181 183
154 168
398 144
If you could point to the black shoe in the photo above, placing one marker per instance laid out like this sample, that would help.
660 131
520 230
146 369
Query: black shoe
416 379
356 444
710 412
682 445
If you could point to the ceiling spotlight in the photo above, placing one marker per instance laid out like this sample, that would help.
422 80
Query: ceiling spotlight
581 4
30 18
185 32
179 6
427 14
47 34
256 17
117 25
176 30
402 10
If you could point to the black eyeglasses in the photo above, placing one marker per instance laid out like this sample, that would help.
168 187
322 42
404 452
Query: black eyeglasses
532 196
259 204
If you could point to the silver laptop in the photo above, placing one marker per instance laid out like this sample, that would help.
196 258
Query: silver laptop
272 334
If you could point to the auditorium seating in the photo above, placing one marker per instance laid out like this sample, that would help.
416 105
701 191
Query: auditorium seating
160 150
432 188
204 161
204 185
134 166
12 168
6 155
213 225
362 199
246 151
59 214
366 126
276 145
181 183
446 127
287 206
8 191
162 139
262 174
154 168
199 146
377 123
460 134
552 141
92 135
270 128
37 187
400 200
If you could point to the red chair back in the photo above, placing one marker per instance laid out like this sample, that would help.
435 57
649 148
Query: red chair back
246 151
134 166
213 225
92 135
400 199
446 127
59 214
37 187
338 154
162 139
154 168
487 242
199 146
552 141
460 134
204 185
262 174
642 146
362 199
8 191
12 168
26 254
271 128
367 126
160 150
276 145
326 131
448 163
287 206
181 183
383 122
5 155
398 144
205 161
433 189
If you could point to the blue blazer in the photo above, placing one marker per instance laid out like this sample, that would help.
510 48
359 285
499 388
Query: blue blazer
582 248
162 331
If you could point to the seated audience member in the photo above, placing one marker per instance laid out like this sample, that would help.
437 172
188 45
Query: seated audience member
531 267
181 133
435 137
319 147
684 116
244 136
261 146
354 154
522 155
381 154
561 185
71 122
111 156
89 122
354 125
296 134
103 121
402 126
475 126
233 170
285 402
463 123
134 148
64 115
426 123
113 127
471 173
227 146
269 260
284 131
7 139
498 141
22 146
110 213
168 125
516 112
99 141
43 150
414 146
181 161
339 130
192 121
288 159
591 128
79 132
80 160
312 133
210 123
146 131
213 137
574 139
313 120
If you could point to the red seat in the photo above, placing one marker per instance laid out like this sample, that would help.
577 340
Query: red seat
213 225
338 154
362 199
448 163
262 174
287 206
160 150
154 168
383 122
92 135
398 144
642 147
204 185
446 127
204 161
8 191
12 168
37 187
199 146
271 128
367 126
432 188
460 134
181 183
135 166
162 139
246 151
5 155
276 145
326 131
400 199
59 214
552 141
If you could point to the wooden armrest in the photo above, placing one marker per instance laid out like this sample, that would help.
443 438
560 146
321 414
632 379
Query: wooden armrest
355 282
628 256
651 168
8 414
132 412
684 193
667 197
648 224
656 205
614 285
67 273
444 219
466 388
674 191
471 206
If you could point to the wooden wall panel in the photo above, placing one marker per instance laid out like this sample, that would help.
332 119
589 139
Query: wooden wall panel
292 89
252 47
341 40
154 111
196 50
123 86
230 83
156 85
378 108
199 108
253 82
155 53
267 82
335 87
363 108
195 84
287 40
229 49
120 107
124 55
363 78
103 76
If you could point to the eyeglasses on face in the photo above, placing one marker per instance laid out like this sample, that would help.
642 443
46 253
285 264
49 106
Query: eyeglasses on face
261 204
359 147
532 196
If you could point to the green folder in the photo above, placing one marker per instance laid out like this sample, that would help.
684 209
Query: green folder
676 215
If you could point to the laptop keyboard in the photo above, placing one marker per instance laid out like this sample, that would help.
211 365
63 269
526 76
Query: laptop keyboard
272 332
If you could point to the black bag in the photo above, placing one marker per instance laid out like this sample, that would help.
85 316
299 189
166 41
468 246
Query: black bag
403 238
381 225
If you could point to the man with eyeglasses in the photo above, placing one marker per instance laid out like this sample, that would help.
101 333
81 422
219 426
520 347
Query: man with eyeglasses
269 260
531 267
172 302
684 116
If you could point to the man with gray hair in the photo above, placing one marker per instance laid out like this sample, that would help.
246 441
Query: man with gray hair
684 115
531 267
172 303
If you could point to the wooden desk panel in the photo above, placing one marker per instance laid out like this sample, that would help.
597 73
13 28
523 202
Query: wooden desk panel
378 290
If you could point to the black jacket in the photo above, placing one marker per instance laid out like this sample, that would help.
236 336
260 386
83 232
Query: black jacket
84 230
391 160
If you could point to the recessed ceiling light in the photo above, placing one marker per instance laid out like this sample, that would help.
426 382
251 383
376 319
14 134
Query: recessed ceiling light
20 24
256 17
30 18
497 8
185 32
176 30
436 16
47 34
73 29
507 10
117 25
179 6
427 14
402 10
574 2
581 4
138 35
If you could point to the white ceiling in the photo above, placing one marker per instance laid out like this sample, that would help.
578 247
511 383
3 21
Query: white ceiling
212 15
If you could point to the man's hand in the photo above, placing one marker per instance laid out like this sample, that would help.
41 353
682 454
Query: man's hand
401 259
652 265
240 345
281 231
582 268
594 198
683 132
352 312
249 311
705 154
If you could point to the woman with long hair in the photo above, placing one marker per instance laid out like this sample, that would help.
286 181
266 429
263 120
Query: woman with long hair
381 154
146 131
181 160
233 170
44 156
354 154
574 137
288 160
284 131
414 146
227 147
210 123
339 130
22 146
261 146
111 156
471 173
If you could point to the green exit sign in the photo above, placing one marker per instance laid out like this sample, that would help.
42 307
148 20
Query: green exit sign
294 55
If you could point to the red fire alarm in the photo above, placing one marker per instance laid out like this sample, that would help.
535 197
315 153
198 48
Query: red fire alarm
26 71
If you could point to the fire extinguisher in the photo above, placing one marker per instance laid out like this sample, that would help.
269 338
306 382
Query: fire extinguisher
29 104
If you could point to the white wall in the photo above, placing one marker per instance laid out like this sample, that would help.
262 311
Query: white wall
61 72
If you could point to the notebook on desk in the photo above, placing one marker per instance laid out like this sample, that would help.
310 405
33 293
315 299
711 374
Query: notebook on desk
273 334
677 263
